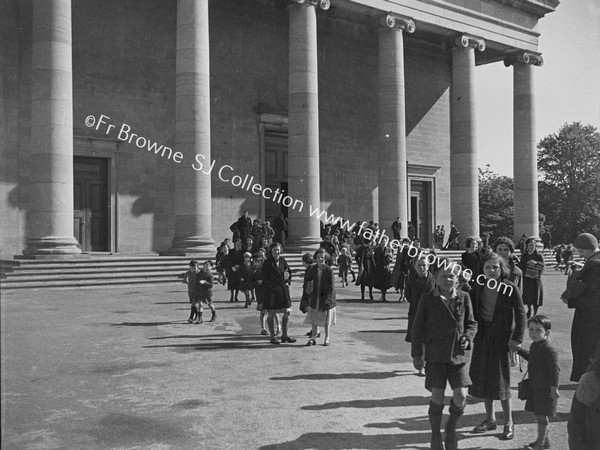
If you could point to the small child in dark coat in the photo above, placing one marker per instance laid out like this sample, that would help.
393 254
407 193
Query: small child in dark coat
544 373
344 262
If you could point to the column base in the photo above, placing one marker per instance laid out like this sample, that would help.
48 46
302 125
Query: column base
52 247
191 246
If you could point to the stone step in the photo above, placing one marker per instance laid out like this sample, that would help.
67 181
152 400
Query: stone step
118 270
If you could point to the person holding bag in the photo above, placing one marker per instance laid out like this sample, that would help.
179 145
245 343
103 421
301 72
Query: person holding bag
583 294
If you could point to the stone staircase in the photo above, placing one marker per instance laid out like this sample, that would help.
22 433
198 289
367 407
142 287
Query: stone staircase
106 271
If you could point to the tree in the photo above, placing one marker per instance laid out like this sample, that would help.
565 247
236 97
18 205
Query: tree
569 190
496 203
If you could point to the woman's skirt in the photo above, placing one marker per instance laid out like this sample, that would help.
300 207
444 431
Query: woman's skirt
490 365
320 318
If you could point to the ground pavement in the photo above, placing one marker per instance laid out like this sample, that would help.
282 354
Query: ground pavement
121 368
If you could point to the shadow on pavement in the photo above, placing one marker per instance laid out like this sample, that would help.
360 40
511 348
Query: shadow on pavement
339 376
338 441
411 400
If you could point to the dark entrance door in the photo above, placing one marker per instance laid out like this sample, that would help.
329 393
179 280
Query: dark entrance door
276 171
90 195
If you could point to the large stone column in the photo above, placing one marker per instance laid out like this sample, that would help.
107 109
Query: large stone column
526 215
50 216
464 183
393 182
303 123
192 130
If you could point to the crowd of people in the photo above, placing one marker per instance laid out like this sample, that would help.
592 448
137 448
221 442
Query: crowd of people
462 332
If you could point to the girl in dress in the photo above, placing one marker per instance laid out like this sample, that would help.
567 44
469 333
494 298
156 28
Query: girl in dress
497 305
320 290
532 265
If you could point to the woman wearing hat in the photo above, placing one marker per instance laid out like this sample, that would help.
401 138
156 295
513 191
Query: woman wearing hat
585 331
532 265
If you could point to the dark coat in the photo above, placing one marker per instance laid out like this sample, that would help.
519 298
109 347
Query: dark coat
205 290
245 274
276 288
584 420
259 288
533 291
366 266
490 367
382 256
244 226
585 331
234 258
544 373
440 329
325 292
416 286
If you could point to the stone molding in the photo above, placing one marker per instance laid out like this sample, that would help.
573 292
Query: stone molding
467 40
523 57
395 21
322 4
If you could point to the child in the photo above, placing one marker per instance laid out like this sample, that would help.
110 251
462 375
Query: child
320 300
419 281
543 372
558 251
191 278
205 285
260 292
307 262
443 312
344 262
222 253
567 257
245 274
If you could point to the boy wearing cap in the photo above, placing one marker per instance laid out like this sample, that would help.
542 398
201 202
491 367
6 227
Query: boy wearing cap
191 279
585 332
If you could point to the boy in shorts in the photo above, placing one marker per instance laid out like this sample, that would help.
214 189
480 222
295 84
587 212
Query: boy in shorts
191 279
205 285
444 325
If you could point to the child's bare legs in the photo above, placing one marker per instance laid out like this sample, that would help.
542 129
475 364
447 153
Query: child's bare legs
457 408
436 407
542 429
314 331
198 307
270 323
213 310
263 322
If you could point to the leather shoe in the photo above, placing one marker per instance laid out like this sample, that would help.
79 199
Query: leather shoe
486 425
289 340
508 433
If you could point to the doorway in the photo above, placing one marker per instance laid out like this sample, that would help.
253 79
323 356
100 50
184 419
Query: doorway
276 171
91 218
421 211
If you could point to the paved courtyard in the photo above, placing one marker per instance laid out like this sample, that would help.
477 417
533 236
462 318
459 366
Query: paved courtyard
121 368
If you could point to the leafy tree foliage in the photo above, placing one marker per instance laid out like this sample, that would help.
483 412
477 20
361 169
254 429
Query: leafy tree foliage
496 203
569 189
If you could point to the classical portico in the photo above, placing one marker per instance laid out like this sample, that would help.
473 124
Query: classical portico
399 109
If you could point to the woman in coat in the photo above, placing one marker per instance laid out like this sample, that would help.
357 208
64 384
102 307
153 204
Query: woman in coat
232 263
533 291
277 276
382 257
505 248
320 296
497 304
585 299
366 268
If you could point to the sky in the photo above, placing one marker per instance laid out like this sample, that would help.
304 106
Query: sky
567 86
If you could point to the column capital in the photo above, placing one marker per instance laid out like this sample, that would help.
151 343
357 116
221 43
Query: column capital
397 22
322 4
467 40
523 57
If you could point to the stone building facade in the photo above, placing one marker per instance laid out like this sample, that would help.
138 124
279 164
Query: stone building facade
125 124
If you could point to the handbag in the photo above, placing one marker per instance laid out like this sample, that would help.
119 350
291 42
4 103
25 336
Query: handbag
524 388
